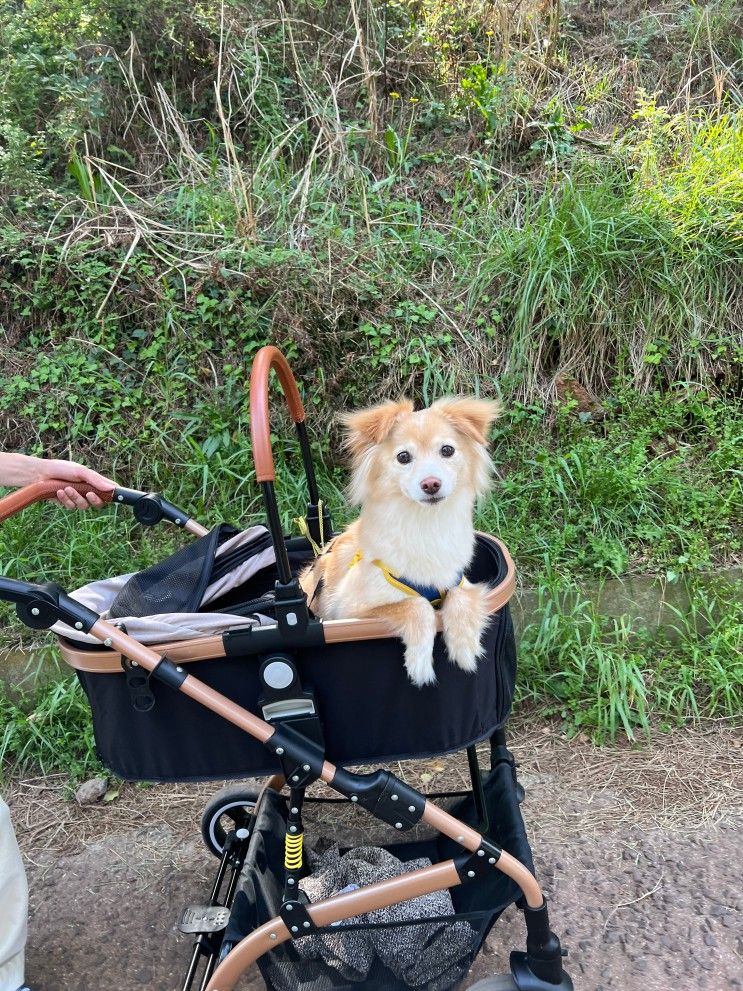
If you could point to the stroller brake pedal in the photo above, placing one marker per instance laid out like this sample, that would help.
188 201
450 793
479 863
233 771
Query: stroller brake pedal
204 919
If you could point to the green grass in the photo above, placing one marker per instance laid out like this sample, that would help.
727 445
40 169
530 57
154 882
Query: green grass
51 731
608 677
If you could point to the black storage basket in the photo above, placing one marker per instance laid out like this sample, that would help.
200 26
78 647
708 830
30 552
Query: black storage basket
370 711
478 903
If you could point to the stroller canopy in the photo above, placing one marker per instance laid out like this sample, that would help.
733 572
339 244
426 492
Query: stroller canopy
170 601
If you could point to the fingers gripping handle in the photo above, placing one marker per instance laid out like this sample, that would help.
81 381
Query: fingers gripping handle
260 429
46 488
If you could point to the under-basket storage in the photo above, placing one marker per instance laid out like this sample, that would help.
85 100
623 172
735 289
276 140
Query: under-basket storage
370 711
477 905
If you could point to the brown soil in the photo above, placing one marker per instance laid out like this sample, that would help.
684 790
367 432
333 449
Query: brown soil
638 851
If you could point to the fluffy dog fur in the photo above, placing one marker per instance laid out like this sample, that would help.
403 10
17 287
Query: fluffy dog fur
419 532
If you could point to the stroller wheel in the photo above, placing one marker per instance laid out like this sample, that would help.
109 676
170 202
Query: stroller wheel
498 982
229 809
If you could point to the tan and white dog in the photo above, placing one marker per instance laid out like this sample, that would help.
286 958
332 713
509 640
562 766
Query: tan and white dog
416 476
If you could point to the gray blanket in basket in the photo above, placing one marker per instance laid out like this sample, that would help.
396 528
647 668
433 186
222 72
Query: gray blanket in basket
435 954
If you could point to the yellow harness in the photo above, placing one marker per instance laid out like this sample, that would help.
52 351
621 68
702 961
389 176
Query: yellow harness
434 595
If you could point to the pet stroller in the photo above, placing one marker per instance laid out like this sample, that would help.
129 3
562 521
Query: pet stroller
177 660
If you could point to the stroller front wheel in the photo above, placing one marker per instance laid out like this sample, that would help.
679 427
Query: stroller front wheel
230 809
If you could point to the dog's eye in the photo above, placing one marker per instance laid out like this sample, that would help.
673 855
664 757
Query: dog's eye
404 457
447 451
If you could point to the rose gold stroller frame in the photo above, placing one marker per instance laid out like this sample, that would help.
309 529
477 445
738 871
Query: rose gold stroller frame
40 606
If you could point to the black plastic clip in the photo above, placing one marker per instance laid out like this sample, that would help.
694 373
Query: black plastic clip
473 865
138 684
290 609
297 919
398 804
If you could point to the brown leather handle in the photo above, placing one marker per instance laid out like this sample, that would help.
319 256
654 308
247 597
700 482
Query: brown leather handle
260 430
45 488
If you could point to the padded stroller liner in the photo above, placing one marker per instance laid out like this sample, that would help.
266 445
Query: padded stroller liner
479 902
370 711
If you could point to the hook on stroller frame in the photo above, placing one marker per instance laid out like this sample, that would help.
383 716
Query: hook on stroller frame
186 710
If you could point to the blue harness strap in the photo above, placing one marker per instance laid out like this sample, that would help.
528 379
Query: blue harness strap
434 595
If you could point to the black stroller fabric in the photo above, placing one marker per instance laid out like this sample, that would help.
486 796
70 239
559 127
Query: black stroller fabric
370 711
477 904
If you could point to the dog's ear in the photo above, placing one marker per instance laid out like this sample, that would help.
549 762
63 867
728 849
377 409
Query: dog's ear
370 426
471 417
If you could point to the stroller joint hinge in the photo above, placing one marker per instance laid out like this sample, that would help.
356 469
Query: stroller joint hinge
385 796
41 606
297 919
301 759
473 865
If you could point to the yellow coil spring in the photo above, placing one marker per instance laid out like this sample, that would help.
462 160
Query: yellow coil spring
293 851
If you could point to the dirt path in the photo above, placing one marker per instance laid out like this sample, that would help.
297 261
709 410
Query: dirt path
639 852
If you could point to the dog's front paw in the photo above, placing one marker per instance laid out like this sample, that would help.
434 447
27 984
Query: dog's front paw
419 663
464 616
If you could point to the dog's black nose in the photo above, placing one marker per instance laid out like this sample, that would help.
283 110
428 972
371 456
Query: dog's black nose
431 485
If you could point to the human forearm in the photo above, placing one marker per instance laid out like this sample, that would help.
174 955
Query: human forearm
21 469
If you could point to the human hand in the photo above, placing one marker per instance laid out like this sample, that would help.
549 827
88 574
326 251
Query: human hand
70 471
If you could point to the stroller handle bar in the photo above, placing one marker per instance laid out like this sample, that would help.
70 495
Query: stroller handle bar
46 488
149 507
